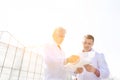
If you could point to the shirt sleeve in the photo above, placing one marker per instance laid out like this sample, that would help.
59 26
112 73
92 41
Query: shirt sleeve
102 66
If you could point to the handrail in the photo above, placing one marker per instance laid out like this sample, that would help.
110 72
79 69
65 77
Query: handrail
11 37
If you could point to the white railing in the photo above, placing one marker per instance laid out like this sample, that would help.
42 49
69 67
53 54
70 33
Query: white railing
16 61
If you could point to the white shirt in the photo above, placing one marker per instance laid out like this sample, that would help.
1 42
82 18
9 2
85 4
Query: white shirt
54 63
98 61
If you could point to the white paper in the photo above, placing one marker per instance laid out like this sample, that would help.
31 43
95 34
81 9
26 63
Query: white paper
85 58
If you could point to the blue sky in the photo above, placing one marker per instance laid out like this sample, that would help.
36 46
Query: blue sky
32 21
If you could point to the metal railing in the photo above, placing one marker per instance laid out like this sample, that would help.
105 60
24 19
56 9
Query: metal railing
16 61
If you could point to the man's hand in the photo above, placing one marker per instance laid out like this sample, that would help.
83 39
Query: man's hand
79 70
73 59
90 68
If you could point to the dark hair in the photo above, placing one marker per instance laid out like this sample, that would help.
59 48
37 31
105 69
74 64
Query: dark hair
89 36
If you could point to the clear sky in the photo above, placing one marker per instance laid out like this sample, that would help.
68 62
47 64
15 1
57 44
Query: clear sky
32 22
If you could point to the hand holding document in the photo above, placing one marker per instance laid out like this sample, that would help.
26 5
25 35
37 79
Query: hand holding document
73 59
76 61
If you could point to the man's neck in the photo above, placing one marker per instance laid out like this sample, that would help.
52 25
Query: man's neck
86 50
59 46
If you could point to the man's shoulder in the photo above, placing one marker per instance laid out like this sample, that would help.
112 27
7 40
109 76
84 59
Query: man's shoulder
98 53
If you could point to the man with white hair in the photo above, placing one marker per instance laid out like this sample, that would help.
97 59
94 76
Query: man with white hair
54 57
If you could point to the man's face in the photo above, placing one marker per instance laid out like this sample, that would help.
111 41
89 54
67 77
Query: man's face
59 36
87 44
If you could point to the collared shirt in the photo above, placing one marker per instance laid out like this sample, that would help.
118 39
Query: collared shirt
98 61
54 63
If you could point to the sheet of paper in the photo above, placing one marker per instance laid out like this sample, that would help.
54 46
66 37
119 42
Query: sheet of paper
84 59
